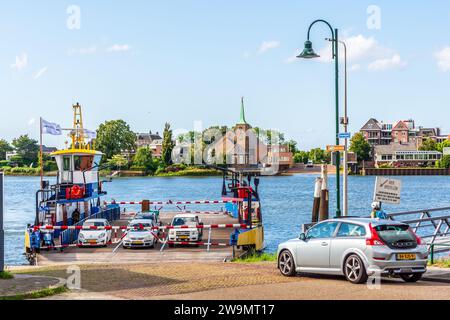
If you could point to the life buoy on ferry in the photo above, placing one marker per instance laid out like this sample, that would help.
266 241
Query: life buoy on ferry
75 192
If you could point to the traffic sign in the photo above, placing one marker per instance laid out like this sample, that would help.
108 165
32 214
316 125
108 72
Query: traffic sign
387 190
331 148
344 135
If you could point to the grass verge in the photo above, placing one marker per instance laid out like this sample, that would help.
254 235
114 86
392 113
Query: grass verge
257 257
441 263
6 275
37 294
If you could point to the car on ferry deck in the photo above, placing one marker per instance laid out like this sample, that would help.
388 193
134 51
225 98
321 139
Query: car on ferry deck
185 228
140 234
356 248
95 237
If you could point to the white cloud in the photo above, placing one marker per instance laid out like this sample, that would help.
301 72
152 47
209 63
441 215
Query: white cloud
118 48
354 67
21 62
267 45
388 63
87 50
40 72
363 51
291 58
443 59
31 121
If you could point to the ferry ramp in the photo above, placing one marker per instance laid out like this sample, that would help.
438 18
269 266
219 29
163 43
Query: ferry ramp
178 253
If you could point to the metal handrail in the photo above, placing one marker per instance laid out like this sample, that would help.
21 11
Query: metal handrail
417 211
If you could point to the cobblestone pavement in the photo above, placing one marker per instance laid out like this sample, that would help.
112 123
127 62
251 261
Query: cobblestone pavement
218 281
145 281
22 284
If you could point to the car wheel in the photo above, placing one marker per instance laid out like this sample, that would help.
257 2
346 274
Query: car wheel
354 269
286 264
411 277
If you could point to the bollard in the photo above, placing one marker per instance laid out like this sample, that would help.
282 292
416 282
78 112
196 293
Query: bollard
145 206
316 201
323 213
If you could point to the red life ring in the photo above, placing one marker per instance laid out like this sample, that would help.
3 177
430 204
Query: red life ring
76 191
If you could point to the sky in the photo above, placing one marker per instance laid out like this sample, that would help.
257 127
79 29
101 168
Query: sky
182 61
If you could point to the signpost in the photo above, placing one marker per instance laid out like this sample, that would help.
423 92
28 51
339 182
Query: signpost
335 148
344 135
387 190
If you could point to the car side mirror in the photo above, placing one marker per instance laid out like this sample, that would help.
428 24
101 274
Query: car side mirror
302 236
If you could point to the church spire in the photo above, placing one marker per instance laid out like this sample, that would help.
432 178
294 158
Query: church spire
242 119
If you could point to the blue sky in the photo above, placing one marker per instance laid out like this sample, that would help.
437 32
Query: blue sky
149 62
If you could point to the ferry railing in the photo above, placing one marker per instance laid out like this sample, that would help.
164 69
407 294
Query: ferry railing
439 225
111 213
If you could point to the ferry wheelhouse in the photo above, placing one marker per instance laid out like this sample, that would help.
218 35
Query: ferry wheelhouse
76 194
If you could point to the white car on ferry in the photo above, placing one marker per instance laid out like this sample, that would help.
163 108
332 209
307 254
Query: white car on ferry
141 233
185 228
94 236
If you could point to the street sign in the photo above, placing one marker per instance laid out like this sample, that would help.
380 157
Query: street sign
331 148
387 190
344 135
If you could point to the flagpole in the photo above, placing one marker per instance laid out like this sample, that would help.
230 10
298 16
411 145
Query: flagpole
40 153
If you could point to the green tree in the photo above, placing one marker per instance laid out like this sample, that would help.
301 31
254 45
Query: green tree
27 149
360 146
428 145
4 148
167 145
301 157
318 155
143 158
444 144
444 162
292 146
118 161
113 137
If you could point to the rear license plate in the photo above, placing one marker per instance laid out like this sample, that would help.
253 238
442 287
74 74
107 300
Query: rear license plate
406 256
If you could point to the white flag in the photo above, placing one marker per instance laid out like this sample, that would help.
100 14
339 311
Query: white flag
50 127
90 134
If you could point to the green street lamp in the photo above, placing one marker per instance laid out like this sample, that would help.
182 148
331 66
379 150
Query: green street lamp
308 53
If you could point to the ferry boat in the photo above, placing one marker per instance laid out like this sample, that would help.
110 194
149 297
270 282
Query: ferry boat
75 196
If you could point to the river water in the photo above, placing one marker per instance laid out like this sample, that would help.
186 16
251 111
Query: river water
286 200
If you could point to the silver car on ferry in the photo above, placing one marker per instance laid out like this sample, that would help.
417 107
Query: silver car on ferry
356 248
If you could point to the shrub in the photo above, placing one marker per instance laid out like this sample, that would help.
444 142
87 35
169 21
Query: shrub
138 168
4 163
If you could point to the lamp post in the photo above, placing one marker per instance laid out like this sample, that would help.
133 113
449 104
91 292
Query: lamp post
308 53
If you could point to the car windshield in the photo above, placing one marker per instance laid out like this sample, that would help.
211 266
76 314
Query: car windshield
146 216
395 233
93 224
182 221
140 226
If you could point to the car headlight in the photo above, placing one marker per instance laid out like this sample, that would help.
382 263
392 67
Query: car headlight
81 236
172 232
101 235
194 232
149 237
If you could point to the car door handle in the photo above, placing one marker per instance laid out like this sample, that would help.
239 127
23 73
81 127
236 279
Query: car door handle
324 244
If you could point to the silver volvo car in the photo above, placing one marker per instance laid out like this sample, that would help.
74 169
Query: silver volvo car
357 248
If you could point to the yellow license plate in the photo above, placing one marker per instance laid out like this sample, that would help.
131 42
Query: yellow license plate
406 256
138 242
184 237
92 241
